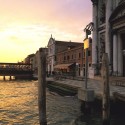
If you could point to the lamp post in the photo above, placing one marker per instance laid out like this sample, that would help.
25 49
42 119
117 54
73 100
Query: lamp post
86 94
86 46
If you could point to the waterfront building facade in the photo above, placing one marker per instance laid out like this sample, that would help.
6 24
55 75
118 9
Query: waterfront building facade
109 35
56 46
72 61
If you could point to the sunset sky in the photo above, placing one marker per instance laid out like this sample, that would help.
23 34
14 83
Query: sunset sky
26 25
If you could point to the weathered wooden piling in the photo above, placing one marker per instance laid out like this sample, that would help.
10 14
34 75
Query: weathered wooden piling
106 91
4 78
42 87
10 78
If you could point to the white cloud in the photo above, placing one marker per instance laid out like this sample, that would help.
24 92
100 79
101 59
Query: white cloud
26 25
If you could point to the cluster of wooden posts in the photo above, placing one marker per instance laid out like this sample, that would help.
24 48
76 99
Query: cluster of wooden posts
42 89
4 78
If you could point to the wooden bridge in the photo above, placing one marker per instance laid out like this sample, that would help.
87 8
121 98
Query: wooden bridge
18 70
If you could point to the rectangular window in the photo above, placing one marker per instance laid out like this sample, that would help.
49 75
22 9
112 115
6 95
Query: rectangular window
68 57
79 65
89 53
79 55
89 64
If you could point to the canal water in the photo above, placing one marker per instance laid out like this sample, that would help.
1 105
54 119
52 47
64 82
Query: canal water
18 106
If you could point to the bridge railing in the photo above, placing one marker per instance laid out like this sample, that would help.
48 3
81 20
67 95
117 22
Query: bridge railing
15 66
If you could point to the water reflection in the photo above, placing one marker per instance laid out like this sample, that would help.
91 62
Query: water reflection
18 103
18 106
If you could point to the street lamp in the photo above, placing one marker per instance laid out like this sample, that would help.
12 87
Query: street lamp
87 30
86 46
85 94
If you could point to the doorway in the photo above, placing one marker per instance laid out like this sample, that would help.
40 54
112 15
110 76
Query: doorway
123 52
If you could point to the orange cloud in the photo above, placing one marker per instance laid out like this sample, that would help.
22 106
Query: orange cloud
26 25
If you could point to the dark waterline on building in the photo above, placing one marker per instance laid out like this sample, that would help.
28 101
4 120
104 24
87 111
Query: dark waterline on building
18 106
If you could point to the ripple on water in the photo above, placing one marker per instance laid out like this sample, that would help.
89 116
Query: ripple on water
19 106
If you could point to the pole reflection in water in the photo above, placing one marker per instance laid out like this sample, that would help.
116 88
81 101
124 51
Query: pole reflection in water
19 106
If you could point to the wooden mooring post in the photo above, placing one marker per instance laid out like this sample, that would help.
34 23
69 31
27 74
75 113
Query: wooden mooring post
10 78
4 78
106 90
42 87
